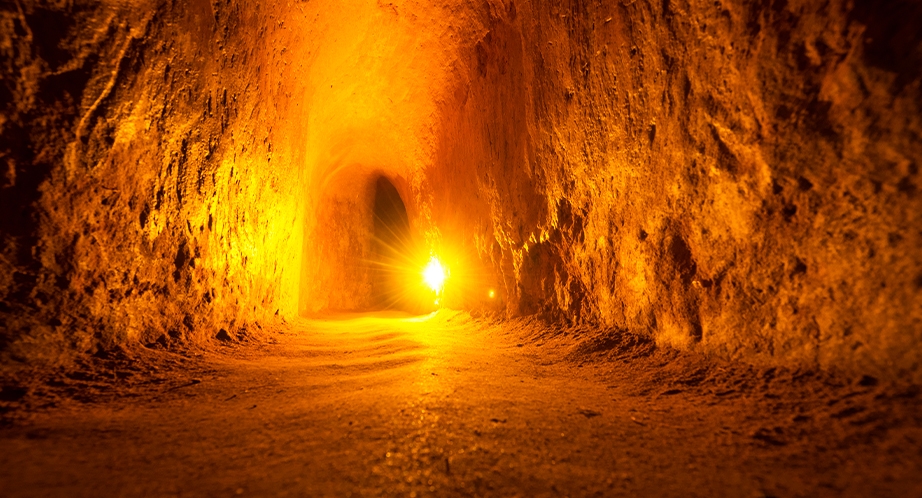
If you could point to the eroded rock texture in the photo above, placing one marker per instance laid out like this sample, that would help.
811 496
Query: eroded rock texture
147 193
740 179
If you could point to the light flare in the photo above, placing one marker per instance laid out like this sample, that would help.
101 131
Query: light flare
434 275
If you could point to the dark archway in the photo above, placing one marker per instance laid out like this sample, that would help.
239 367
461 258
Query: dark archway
392 248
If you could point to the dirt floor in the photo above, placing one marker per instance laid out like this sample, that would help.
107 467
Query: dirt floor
449 405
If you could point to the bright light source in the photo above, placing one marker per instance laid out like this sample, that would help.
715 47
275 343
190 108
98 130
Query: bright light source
491 293
434 275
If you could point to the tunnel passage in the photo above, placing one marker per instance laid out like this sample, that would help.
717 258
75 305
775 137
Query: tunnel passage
391 248
787 164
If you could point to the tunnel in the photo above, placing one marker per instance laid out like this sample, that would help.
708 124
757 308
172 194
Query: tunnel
460 248
393 249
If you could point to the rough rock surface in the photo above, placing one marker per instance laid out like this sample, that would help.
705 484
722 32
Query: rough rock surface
147 193
743 179
739 179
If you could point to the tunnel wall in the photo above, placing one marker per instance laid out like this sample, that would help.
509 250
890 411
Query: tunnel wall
149 183
337 253
739 179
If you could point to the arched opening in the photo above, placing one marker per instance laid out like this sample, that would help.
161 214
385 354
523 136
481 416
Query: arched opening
392 249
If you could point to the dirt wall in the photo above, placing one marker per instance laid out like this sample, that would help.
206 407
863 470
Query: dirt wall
150 192
737 179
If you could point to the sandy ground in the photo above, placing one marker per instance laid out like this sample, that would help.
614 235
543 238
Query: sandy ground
448 405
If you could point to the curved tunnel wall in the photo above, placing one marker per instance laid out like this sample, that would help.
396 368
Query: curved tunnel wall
740 180
737 179
153 176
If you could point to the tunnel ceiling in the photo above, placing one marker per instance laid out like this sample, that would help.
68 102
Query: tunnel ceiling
741 180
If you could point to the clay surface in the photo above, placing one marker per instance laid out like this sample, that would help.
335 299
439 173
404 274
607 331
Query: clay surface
449 406
739 179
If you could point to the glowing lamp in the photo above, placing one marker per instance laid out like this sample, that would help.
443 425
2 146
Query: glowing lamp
434 275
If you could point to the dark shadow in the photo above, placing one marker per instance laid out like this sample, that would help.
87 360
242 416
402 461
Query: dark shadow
392 249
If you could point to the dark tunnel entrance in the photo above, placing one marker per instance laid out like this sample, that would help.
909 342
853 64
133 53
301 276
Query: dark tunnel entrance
392 249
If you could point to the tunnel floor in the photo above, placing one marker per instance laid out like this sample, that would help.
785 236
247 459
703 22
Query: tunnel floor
449 405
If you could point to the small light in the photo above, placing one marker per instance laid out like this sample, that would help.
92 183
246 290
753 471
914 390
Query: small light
491 293
434 275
